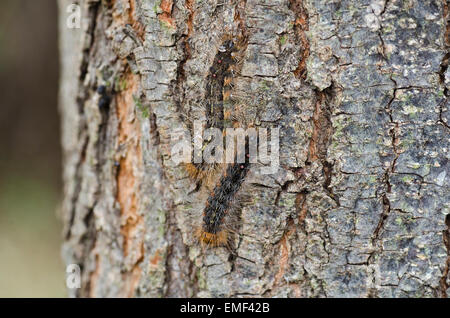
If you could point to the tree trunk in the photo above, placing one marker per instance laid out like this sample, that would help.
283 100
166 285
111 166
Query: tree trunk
359 205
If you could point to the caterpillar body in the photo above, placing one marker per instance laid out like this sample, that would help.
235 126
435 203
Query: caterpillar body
218 84
214 230
218 92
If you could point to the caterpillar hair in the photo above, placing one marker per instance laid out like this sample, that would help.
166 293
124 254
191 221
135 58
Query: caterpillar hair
218 212
218 90
213 231
220 76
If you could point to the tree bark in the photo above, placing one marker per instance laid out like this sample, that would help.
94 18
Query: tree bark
359 206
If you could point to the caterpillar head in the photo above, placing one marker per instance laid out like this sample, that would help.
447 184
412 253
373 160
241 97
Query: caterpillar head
227 46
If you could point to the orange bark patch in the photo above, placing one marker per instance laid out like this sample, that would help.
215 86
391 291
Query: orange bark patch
190 22
136 273
283 260
129 136
166 6
302 209
296 290
166 15
155 259
284 250
127 182
136 25
301 25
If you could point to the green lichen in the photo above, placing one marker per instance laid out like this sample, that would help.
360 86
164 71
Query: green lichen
162 222
264 85
387 29
414 165
165 26
144 110
426 168
120 84
201 281
407 179
287 201
406 143
157 7
372 179
411 110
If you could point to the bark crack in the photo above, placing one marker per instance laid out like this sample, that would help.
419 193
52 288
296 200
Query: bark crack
301 26
388 171
393 132
321 137
442 71
444 281
444 63
81 98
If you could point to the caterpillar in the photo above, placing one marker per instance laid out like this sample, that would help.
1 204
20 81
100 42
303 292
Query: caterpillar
218 92
214 230
218 84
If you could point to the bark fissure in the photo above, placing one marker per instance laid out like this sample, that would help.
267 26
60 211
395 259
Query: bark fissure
81 98
301 27
444 103
445 279
393 128
386 204
93 15
444 63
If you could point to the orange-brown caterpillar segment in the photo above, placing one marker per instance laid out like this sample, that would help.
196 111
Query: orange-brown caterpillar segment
204 172
226 95
193 171
227 81
212 239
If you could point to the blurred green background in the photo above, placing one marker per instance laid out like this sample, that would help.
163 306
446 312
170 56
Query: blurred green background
30 167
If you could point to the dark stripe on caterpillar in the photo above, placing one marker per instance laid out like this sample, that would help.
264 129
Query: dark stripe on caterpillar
219 202
219 73
224 192
217 90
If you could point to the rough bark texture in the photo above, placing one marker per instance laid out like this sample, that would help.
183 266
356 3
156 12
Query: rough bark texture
360 204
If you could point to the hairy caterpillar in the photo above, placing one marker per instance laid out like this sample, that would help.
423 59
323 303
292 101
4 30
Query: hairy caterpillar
218 92
218 84
214 230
